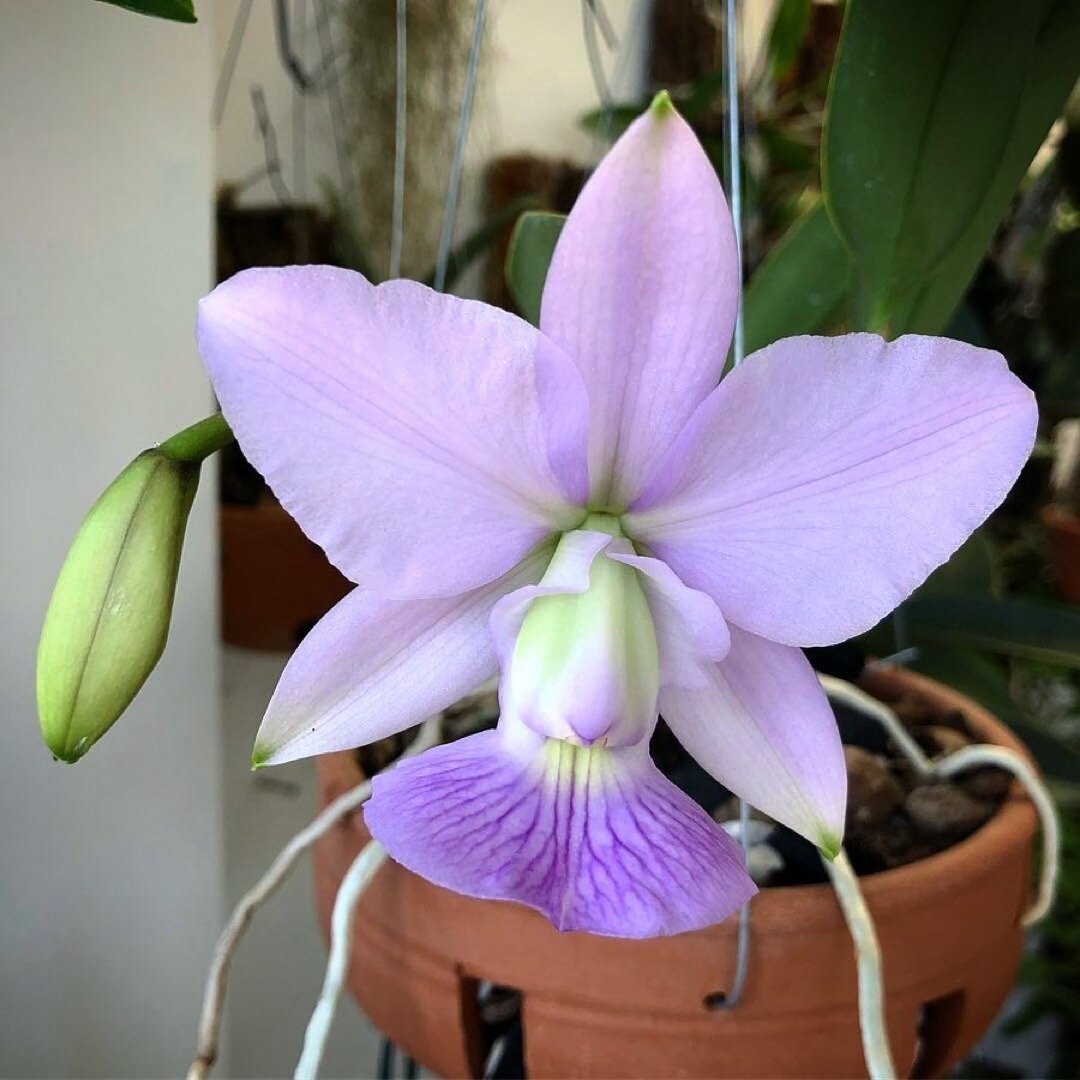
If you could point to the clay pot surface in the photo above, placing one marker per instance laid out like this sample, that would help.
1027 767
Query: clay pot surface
1063 538
603 1007
275 583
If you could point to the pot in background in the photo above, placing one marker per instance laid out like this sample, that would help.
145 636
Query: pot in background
1063 539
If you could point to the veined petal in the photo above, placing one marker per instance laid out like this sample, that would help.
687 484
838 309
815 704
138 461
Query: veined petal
826 477
426 442
690 628
764 728
642 292
595 839
376 664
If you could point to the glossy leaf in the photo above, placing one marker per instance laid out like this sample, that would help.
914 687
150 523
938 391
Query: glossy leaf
922 105
789 27
528 257
609 123
1036 631
802 287
1052 71
176 10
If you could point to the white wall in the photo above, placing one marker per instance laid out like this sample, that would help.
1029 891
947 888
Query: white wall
111 871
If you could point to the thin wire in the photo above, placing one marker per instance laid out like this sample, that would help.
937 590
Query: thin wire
333 95
600 15
228 62
397 232
592 51
458 161
731 48
731 63
742 948
299 122
272 168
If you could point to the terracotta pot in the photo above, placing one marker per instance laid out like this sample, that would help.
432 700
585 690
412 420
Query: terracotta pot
602 1007
1063 538
275 583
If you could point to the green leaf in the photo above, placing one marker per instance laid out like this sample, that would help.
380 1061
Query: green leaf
985 681
922 105
1025 628
1051 73
610 123
177 10
802 287
108 618
790 24
971 571
528 257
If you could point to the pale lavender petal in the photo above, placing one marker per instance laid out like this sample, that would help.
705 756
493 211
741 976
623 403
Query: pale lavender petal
690 628
376 665
642 292
595 839
764 728
426 442
826 477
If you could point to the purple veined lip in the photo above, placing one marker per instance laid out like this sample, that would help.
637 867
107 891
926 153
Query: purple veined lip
448 456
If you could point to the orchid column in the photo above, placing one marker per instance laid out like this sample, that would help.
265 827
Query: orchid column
583 508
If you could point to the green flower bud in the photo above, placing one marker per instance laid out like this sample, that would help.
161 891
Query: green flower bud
108 618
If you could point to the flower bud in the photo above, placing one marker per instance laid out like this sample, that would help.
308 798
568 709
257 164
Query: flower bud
108 618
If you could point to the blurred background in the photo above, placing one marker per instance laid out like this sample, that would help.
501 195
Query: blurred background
143 161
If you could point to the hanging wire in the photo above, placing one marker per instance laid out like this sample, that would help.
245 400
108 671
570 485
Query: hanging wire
589 21
228 62
299 124
397 230
731 67
333 94
600 17
731 63
458 162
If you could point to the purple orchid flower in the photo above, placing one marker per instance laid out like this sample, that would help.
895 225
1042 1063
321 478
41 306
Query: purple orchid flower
588 509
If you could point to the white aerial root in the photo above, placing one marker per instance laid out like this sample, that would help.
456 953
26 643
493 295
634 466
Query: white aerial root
875 1035
356 880
218 979
859 700
867 952
973 757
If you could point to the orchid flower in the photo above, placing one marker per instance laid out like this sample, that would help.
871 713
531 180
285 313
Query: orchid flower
587 509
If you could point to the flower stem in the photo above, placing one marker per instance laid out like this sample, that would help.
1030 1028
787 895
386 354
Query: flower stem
198 442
